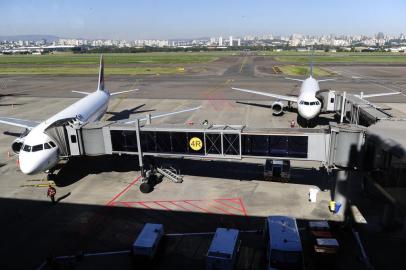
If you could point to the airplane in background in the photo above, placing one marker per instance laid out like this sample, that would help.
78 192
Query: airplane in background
37 152
308 103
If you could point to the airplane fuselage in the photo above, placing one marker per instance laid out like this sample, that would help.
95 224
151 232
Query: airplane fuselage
39 152
308 104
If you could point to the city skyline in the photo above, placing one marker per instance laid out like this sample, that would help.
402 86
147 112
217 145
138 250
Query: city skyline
126 20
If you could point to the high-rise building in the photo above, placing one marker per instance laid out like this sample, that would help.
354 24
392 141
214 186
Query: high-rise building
231 41
220 41
239 42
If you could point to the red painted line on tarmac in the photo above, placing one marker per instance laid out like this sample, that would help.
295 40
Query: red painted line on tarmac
126 204
233 200
198 207
221 209
124 190
243 207
229 206
163 206
143 204
180 206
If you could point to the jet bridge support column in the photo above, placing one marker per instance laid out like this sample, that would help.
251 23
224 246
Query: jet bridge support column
140 160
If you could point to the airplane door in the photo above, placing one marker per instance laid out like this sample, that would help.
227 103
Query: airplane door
73 140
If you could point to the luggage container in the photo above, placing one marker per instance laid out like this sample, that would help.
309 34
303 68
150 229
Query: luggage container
326 252
223 250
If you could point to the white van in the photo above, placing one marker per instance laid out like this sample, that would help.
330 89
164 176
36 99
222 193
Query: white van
284 247
145 246
223 250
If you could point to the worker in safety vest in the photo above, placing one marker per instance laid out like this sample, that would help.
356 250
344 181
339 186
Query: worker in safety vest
51 193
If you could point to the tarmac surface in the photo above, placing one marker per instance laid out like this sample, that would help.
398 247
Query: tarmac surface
100 207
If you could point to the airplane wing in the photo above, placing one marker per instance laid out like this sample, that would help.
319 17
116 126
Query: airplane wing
293 79
162 115
121 92
327 80
81 92
281 97
111 94
378 95
18 122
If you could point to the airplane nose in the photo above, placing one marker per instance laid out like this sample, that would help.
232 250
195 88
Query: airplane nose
27 167
309 113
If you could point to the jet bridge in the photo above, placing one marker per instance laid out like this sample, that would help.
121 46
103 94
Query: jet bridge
330 146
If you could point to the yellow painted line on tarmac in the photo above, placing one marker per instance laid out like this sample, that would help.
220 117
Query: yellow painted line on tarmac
242 64
45 183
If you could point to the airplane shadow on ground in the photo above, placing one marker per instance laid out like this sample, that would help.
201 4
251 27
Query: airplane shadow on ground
78 168
125 114
12 134
11 104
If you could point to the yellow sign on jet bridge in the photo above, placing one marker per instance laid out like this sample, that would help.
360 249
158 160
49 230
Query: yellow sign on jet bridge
195 143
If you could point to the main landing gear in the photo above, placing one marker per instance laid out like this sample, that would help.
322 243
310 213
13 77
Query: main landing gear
149 181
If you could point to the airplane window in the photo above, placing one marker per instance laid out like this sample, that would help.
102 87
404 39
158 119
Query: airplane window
27 148
318 102
37 147
47 146
52 144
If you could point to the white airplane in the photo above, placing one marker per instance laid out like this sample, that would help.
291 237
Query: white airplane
308 104
38 152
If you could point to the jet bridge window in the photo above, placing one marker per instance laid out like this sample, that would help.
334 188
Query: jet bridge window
37 148
275 145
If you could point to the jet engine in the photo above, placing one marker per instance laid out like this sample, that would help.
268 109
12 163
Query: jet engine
17 144
277 108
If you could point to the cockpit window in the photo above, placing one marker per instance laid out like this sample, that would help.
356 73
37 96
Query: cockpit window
27 148
37 147
306 103
47 146
312 103
52 144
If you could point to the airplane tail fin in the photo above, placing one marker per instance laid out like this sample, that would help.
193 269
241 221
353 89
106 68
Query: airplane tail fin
100 86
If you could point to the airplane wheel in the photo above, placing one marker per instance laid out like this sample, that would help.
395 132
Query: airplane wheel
145 188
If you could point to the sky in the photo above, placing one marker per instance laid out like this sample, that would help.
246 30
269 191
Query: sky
147 19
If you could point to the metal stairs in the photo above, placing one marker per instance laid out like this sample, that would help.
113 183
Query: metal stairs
171 174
